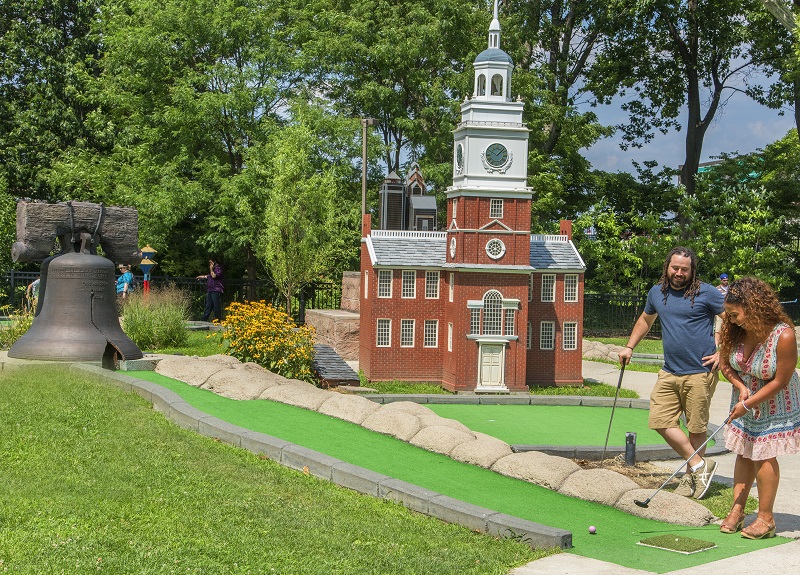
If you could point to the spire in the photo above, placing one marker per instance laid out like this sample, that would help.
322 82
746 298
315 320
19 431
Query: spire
494 29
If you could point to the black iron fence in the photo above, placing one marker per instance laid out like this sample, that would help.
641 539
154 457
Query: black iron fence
320 295
608 315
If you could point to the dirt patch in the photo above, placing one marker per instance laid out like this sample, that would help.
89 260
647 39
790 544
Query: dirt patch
646 475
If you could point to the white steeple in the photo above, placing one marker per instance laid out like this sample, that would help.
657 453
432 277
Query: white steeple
494 29
493 67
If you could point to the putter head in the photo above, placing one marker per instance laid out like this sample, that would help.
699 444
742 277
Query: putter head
641 503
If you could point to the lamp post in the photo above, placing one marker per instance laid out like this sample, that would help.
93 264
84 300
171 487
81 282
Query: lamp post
365 122
146 265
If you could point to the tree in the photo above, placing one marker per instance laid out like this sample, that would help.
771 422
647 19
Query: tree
49 52
676 57
297 223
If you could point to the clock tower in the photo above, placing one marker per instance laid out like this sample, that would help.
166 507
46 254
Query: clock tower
488 213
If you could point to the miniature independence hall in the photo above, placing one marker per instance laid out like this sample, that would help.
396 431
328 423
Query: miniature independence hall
483 306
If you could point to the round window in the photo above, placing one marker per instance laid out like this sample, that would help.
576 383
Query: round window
495 249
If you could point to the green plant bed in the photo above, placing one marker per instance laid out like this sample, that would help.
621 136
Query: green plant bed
392 387
199 343
96 481
589 388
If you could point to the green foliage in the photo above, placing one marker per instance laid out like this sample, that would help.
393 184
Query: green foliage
406 387
589 388
156 319
17 325
257 332
94 480
201 343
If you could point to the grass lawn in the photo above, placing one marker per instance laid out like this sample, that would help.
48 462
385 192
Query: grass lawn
95 481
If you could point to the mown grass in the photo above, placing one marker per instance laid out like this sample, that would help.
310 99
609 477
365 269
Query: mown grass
199 343
589 388
95 481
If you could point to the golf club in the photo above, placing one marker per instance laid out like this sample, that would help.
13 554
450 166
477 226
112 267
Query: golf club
613 407
646 502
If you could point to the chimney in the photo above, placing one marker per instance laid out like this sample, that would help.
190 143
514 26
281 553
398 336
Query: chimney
565 228
366 225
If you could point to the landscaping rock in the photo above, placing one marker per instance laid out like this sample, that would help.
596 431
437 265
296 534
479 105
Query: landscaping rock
191 370
239 383
408 407
351 408
305 395
441 438
484 451
666 506
535 467
599 485
394 422
431 418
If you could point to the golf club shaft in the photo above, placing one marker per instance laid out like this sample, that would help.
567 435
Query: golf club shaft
613 408
688 459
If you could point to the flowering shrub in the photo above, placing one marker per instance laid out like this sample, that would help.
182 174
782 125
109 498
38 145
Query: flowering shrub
18 324
260 333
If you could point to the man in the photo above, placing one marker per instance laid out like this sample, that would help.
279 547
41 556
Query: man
214 290
687 309
723 284
124 281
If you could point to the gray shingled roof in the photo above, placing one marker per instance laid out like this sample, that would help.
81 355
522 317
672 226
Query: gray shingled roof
555 255
424 251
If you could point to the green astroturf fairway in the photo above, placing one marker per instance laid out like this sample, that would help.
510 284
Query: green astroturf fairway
552 424
617 533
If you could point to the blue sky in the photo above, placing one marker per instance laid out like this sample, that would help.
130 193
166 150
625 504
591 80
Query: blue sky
741 126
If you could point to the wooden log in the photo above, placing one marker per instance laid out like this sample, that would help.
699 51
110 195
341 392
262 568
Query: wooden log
114 228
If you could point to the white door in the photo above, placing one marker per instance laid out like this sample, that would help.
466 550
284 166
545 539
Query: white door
491 366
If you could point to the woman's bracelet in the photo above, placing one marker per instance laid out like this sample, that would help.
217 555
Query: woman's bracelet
745 406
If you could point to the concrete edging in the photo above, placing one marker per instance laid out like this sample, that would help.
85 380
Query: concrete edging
335 470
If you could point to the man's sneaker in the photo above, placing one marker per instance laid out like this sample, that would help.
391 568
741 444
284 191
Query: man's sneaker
703 477
687 485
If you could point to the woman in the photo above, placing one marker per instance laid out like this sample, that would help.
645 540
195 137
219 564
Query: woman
758 354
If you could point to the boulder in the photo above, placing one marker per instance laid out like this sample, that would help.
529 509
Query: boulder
441 438
394 422
483 451
238 383
191 370
305 395
599 485
352 408
666 506
536 467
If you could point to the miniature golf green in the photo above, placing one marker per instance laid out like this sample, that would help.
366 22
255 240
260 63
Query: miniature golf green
552 424
617 533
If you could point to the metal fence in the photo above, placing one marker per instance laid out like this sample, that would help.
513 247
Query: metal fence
320 295
608 315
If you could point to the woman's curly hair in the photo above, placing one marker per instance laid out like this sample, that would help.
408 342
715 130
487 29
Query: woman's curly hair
761 307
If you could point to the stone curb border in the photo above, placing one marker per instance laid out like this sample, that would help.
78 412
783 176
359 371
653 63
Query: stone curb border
335 470
590 452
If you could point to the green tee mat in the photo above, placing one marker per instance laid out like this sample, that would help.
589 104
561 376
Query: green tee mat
617 532
552 424
677 543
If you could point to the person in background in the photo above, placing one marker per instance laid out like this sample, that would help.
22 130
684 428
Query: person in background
32 294
124 281
723 284
687 308
758 354
214 289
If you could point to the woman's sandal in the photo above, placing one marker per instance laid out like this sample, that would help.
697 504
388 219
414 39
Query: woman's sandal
749 533
731 524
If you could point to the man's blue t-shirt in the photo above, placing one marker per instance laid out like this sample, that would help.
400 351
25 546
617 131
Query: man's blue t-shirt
686 327
126 278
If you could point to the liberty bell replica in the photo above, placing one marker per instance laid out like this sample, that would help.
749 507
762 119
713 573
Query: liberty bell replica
76 317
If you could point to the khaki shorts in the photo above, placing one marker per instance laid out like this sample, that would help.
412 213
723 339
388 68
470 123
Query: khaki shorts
676 394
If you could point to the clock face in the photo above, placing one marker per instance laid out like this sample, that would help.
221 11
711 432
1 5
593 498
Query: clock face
496 155
452 247
460 156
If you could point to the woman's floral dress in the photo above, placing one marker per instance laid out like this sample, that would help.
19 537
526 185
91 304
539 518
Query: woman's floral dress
770 428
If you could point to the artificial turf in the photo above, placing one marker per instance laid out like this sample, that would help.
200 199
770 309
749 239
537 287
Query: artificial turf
552 424
617 532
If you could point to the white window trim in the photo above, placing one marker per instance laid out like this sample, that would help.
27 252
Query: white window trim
377 332
452 288
569 328
551 338
450 336
496 202
553 296
434 283
391 281
567 279
435 333
413 295
413 332
366 284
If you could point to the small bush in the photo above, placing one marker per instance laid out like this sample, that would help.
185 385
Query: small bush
157 319
18 324
260 333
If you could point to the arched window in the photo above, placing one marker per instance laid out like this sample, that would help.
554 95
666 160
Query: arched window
497 85
481 85
492 313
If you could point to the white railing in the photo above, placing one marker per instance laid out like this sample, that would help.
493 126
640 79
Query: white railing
548 238
406 234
